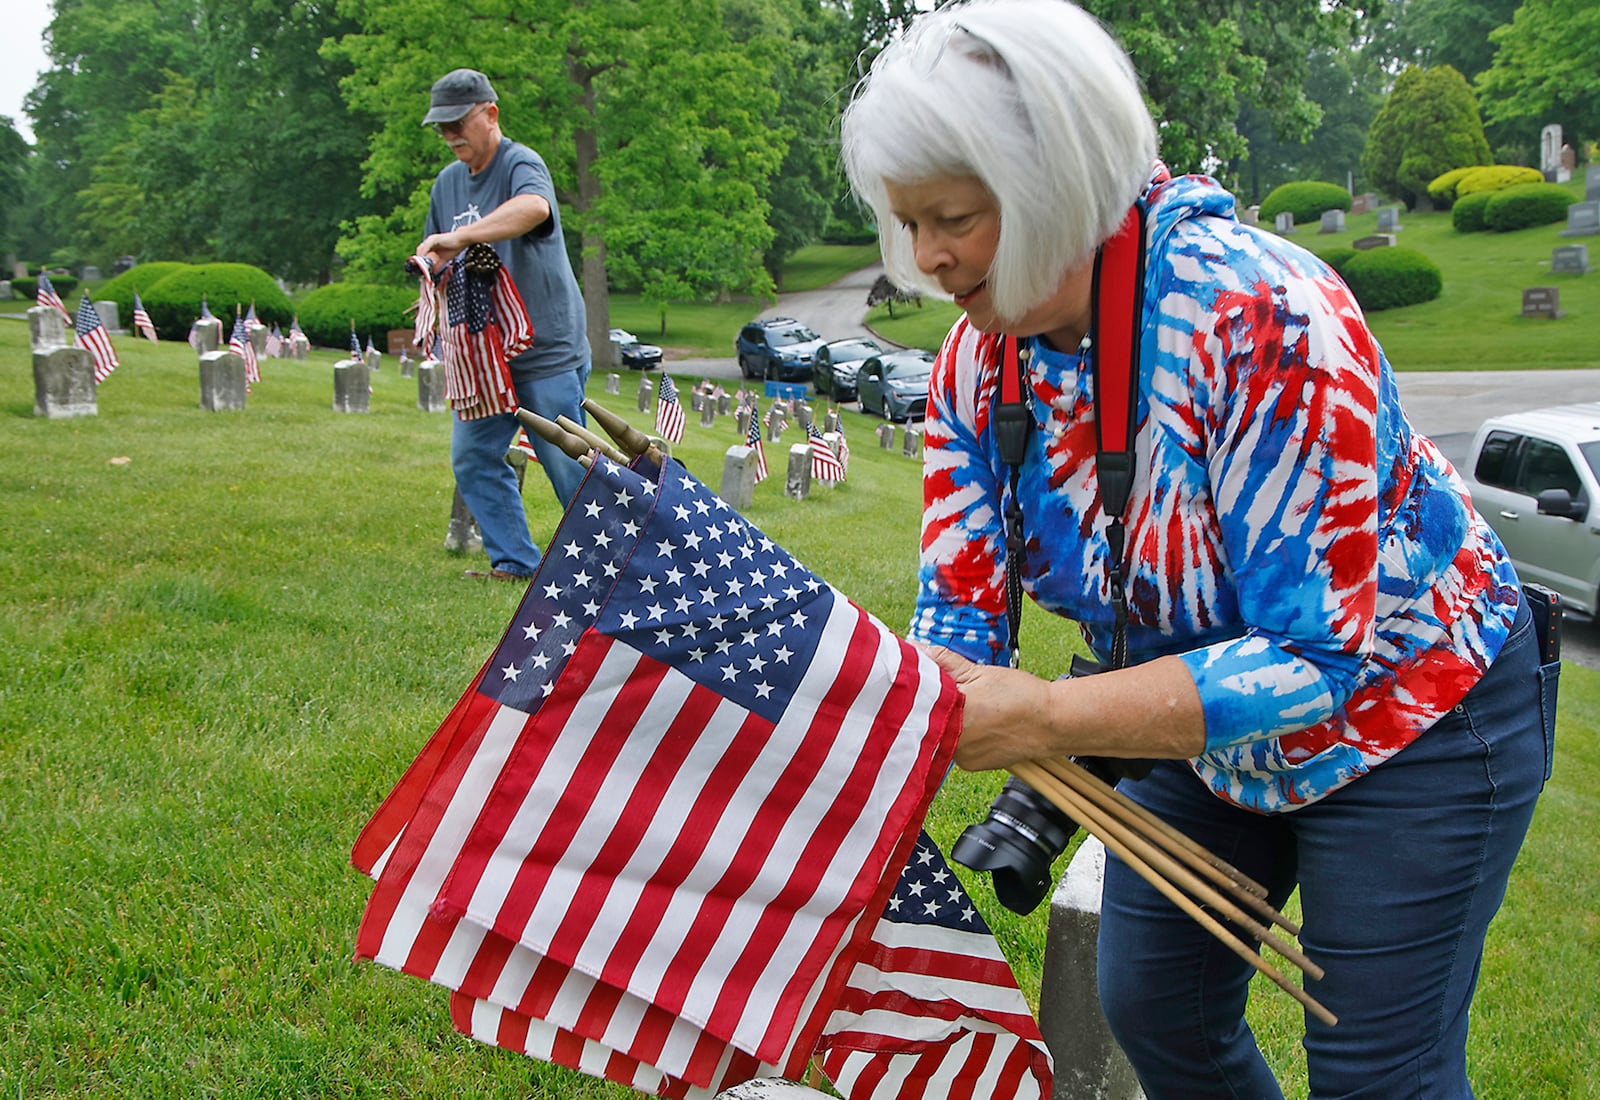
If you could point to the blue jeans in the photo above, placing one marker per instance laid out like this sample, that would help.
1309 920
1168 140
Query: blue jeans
488 483
1399 873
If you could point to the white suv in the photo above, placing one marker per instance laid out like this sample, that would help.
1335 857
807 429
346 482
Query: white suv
1533 477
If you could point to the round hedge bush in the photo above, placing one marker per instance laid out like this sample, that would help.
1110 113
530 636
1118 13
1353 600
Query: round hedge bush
1307 200
1387 278
1442 189
174 301
141 278
326 313
1336 258
62 284
1495 177
1467 214
1526 204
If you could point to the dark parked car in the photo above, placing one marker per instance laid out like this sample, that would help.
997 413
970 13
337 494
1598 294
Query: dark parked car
778 348
635 355
833 368
895 386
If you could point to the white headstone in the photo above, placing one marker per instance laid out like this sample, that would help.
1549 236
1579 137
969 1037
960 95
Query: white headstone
63 383
1283 224
1550 150
47 328
222 383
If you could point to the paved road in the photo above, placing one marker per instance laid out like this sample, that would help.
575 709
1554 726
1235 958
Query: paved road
1447 406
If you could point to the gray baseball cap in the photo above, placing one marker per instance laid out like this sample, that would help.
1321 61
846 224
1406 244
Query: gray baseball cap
457 92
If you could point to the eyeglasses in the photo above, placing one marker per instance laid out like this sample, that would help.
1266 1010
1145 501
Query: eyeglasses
443 128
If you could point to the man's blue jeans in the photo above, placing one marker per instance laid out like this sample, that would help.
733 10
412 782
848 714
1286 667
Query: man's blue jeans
1399 875
488 483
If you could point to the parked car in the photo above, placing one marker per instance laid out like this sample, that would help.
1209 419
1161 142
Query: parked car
635 355
777 348
895 386
1535 477
834 367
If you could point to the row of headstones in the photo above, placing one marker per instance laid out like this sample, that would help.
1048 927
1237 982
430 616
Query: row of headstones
1333 222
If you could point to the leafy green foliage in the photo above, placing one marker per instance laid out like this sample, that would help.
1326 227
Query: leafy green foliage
1526 205
1442 189
140 277
1336 258
1546 69
1467 215
1387 278
1307 200
28 286
1428 125
174 302
1495 177
327 313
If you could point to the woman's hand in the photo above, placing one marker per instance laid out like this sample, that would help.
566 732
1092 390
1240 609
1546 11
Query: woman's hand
1005 715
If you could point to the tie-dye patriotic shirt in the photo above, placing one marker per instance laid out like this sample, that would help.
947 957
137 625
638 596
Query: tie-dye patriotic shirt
1315 562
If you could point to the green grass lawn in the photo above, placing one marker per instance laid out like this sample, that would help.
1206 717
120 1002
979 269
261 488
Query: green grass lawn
220 654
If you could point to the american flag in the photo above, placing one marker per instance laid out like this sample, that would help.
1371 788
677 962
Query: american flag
474 316
141 320
844 446
48 297
239 343
652 840
752 439
91 334
824 463
370 349
274 344
669 413
522 443
206 316
932 1008
355 346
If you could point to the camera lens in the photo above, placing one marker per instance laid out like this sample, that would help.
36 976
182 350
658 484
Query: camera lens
1016 844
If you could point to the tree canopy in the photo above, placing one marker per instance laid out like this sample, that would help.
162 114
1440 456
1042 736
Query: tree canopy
1427 126
1546 69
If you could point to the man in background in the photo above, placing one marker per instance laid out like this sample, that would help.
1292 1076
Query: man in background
500 193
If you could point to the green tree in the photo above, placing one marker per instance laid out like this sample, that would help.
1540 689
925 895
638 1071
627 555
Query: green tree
13 180
652 120
1427 126
1437 32
1546 69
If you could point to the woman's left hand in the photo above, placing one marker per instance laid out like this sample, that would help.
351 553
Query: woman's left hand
1005 715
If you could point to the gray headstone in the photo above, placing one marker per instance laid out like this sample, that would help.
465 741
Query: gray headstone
646 391
831 423
258 340
408 367
430 386
352 387
1250 215
462 536
47 328
708 412
1591 183
222 384
886 436
777 421
613 382
1376 240
6 293
1283 224
1332 221
1583 219
741 421
797 481
19 270
63 383
696 399
208 334
1364 203
299 346
1569 259
373 359
724 404
738 476
1089 1064
1389 220
108 315
90 274
912 447
1542 301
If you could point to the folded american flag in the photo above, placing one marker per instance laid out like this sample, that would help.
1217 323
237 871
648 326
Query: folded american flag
653 839
476 311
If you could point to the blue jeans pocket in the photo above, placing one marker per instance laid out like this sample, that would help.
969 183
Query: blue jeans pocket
1549 681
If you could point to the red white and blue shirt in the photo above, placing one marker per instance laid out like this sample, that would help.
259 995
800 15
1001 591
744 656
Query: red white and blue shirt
1315 562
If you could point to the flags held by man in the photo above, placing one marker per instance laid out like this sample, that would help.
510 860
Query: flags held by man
89 332
46 296
653 839
141 321
669 412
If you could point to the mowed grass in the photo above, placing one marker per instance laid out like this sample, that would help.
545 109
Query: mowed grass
220 654
1475 324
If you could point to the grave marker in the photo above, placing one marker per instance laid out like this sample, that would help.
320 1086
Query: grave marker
397 340
63 383
1569 259
1283 224
886 436
738 476
1591 183
1364 203
613 383
1250 215
352 387
646 391
1542 301
913 443
797 480
1377 240
1550 151
1389 220
462 536
1583 219
208 335
108 317
90 274
430 386
1332 221
47 328
222 384
708 412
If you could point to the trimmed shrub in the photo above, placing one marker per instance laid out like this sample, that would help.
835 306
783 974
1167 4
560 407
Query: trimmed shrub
141 277
62 284
1305 199
1467 214
326 313
1336 258
174 301
1495 177
1387 278
1526 204
1442 189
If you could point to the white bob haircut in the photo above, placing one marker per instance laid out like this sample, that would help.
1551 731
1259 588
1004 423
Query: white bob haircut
1035 99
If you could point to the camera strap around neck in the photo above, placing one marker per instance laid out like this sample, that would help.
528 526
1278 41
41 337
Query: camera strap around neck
1117 302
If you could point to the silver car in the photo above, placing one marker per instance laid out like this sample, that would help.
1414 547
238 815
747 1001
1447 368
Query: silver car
1534 478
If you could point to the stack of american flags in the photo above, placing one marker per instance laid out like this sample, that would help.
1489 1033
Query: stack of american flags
476 312
667 835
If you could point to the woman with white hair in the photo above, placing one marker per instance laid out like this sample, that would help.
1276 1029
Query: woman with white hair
1322 649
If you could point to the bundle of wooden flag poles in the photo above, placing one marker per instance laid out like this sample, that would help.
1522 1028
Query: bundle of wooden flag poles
1192 878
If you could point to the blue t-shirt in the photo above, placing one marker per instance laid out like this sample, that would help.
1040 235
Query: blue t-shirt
537 259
